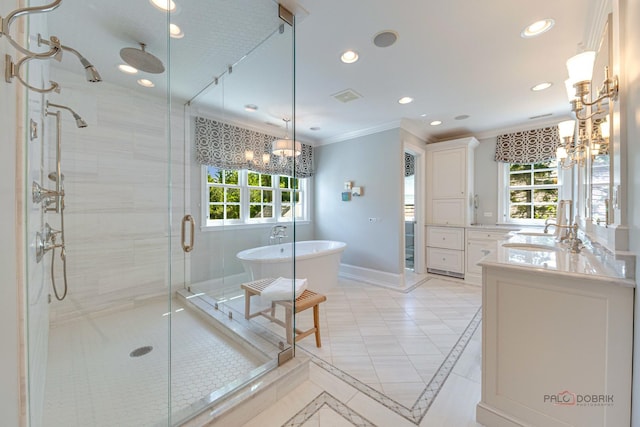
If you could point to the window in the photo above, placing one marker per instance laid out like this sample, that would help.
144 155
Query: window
531 191
247 197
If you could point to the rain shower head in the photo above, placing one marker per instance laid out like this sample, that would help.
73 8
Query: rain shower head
142 60
91 72
79 121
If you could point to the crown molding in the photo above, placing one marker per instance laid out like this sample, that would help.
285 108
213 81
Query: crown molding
361 132
597 20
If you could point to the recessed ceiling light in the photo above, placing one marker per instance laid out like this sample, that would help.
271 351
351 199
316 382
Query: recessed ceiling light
541 86
314 128
165 5
461 117
127 69
251 107
537 28
385 38
145 83
405 100
349 56
436 123
175 31
423 115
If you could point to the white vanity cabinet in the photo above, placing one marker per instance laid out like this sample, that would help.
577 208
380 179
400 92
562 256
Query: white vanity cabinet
557 347
479 242
450 181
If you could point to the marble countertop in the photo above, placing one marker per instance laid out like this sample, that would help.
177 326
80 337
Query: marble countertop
551 257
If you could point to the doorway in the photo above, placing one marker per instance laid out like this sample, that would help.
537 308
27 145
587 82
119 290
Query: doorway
413 208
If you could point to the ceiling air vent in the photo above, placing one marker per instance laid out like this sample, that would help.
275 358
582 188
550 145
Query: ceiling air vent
347 95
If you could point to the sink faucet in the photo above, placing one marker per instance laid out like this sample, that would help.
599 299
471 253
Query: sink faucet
547 223
570 237
278 232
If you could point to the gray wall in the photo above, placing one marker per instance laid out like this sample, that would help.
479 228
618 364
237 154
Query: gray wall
630 97
374 162
486 181
215 256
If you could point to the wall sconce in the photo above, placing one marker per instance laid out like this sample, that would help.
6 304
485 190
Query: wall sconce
600 144
580 68
12 70
286 147
570 152
5 24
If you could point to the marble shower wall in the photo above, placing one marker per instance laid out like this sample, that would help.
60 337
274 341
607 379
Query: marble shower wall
117 196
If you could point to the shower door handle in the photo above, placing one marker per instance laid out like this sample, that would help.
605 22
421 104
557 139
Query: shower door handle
188 247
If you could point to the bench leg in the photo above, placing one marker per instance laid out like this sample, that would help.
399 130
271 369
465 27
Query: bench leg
316 323
247 304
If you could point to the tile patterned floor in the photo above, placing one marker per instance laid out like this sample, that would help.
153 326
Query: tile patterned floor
395 349
93 381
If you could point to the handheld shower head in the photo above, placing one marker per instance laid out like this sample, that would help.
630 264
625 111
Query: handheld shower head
79 121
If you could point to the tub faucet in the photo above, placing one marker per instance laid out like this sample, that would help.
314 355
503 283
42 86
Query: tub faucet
278 232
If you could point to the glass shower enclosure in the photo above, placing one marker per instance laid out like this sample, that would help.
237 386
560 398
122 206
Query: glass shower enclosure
134 312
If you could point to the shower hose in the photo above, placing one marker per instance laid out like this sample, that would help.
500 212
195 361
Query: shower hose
63 257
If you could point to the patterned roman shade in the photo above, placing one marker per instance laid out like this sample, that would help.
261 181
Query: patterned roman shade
531 146
231 147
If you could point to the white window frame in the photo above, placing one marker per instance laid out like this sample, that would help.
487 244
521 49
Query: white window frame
245 220
504 200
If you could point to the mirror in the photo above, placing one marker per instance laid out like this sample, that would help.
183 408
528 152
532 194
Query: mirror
600 130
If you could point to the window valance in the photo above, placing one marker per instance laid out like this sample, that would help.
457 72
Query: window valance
231 147
531 146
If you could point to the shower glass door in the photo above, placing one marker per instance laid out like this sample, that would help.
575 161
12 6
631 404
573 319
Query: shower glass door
231 91
128 312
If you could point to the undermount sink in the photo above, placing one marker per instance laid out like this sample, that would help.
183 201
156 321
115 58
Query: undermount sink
530 247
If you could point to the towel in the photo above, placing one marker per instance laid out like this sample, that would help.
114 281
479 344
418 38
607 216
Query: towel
280 289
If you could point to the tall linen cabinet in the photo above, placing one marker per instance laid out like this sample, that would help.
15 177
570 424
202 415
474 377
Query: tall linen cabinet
449 201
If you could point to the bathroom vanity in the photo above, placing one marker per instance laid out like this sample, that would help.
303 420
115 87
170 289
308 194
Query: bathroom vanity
557 335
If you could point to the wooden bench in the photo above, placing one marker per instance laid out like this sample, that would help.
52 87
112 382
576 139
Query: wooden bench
307 299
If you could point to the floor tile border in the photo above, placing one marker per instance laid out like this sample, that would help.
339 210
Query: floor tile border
416 413
327 399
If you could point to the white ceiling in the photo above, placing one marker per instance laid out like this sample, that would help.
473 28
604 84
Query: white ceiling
454 57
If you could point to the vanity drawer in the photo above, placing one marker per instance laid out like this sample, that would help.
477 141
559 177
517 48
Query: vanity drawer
445 237
486 235
445 259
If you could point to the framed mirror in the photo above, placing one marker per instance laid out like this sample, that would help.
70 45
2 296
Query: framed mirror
600 159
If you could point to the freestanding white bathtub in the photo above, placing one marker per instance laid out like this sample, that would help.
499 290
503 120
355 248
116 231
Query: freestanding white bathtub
316 260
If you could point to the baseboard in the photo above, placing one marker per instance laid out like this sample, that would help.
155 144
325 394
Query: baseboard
492 417
368 275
